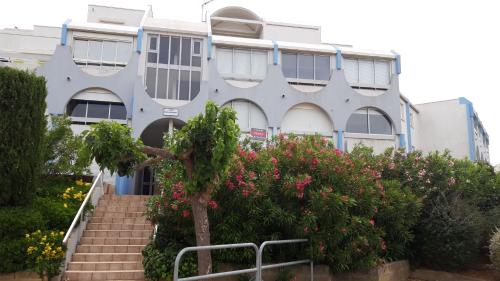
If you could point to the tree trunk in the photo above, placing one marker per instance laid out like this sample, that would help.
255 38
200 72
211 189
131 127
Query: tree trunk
202 229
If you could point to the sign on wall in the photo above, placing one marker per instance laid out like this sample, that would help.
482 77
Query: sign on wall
170 112
259 134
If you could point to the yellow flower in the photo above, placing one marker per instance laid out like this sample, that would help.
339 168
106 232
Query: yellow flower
65 205
44 238
61 233
79 182
27 235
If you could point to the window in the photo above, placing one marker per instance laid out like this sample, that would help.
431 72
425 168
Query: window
369 121
173 68
101 54
95 109
306 68
249 116
242 63
367 73
402 110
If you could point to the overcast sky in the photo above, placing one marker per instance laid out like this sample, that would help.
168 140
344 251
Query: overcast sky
449 48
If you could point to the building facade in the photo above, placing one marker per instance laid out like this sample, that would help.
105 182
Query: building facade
155 74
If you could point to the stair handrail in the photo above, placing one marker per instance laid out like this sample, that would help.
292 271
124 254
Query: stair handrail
81 211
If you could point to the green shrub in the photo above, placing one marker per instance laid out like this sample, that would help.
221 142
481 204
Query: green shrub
448 233
65 153
45 252
398 213
159 263
495 249
22 127
13 255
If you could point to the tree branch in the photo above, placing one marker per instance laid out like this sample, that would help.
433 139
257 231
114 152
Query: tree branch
148 162
161 152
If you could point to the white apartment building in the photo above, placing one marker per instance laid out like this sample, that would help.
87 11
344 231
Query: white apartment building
154 74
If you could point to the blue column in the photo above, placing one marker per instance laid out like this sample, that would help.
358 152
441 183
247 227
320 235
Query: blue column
121 184
338 63
340 140
402 141
408 127
398 62
64 32
470 127
140 34
275 53
209 46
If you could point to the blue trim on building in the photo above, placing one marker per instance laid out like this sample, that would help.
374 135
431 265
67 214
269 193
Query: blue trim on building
209 46
398 62
140 34
470 126
275 53
402 141
64 32
340 140
338 60
408 127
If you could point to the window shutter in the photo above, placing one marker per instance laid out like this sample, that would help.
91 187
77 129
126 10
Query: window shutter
366 72
382 75
351 70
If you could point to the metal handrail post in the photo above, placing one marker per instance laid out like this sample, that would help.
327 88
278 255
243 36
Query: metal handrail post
278 242
213 247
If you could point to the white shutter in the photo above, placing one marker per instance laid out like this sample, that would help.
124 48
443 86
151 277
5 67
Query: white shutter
242 114
351 70
242 62
366 72
259 64
382 75
257 118
225 61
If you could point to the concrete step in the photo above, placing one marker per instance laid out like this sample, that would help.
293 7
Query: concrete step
101 213
126 198
118 208
109 248
113 241
105 266
105 275
106 257
136 220
118 233
117 226
108 202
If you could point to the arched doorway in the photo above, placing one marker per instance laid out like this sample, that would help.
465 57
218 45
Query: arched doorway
145 183
307 119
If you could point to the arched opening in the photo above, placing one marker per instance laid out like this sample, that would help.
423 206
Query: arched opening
370 127
250 118
307 119
145 183
94 105
369 120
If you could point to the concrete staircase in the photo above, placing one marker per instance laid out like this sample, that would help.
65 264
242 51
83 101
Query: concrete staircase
110 247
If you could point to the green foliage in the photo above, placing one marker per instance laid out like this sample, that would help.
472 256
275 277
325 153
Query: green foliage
398 213
22 127
448 233
113 148
212 138
65 153
495 249
48 211
159 263
45 252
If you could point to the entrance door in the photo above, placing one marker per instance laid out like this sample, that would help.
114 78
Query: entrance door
148 181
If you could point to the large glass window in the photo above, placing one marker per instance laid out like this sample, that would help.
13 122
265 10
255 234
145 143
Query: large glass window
95 109
367 73
369 121
306 68
101 53
244 64
173 69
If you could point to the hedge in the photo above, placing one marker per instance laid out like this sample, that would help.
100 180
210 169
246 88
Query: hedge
22 127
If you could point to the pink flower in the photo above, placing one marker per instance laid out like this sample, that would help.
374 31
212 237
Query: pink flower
230 184
344 198
383 245
239 178
322 247
306 229
451 181
174 207
176 195
274 160
212 204
314 162
185 213
245 192
372 222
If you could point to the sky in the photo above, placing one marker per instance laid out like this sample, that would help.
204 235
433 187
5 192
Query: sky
448 48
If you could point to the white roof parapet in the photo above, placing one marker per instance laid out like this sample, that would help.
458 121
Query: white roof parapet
102 27
242 42
167 25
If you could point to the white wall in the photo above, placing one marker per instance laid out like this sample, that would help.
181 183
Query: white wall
442 125
291 33
103 14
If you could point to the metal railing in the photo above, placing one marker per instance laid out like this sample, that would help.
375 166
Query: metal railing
258 262
79 223
214 275
261 267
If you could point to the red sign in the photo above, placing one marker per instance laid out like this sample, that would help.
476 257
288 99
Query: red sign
258 133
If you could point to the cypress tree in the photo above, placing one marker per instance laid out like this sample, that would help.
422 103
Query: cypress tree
22 128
